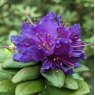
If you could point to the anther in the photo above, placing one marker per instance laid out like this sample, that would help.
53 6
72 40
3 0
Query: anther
57 71
37 34
39 46
48 48
45 57
49 34
61 64
42 68
54 59
57 58
27 44
43 44
72 67
75 37
83 51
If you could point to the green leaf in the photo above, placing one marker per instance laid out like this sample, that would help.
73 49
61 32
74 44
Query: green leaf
29 87
13 64
77 76
83 89
48 83
4 74
8 70
6 93
81 69
2 55
56 77
7 86
71 83
28 73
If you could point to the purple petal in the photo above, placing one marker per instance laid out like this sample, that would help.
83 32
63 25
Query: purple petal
62 46
22 57
75 32
46 65
77 64
69 72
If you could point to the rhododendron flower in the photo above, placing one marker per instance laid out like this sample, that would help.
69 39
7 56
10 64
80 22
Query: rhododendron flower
50 42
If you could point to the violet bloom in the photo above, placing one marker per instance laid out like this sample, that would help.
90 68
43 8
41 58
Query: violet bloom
50 42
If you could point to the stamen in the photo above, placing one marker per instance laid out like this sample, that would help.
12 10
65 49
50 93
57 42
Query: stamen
39 37
79 40
9 47
35 41
78 50
67 62
27 15
43 44
48 36
83 45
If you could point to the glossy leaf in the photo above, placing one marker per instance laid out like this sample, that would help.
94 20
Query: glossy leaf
56 77
2 55
83 89
30 87
5 93
13 64
5 74
71 83
77 76
28 73
6 86
81 69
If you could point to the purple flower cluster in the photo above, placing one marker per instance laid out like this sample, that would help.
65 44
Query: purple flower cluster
50 42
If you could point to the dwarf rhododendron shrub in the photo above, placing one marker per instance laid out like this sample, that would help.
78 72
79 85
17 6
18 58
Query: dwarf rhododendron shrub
51 42
44 59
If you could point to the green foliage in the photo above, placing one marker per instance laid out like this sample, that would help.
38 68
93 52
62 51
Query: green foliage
27 73
30 87
81 69
71 83
7 86
9 63
77 76
5 74
83 89
27 80
4 54
55 77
